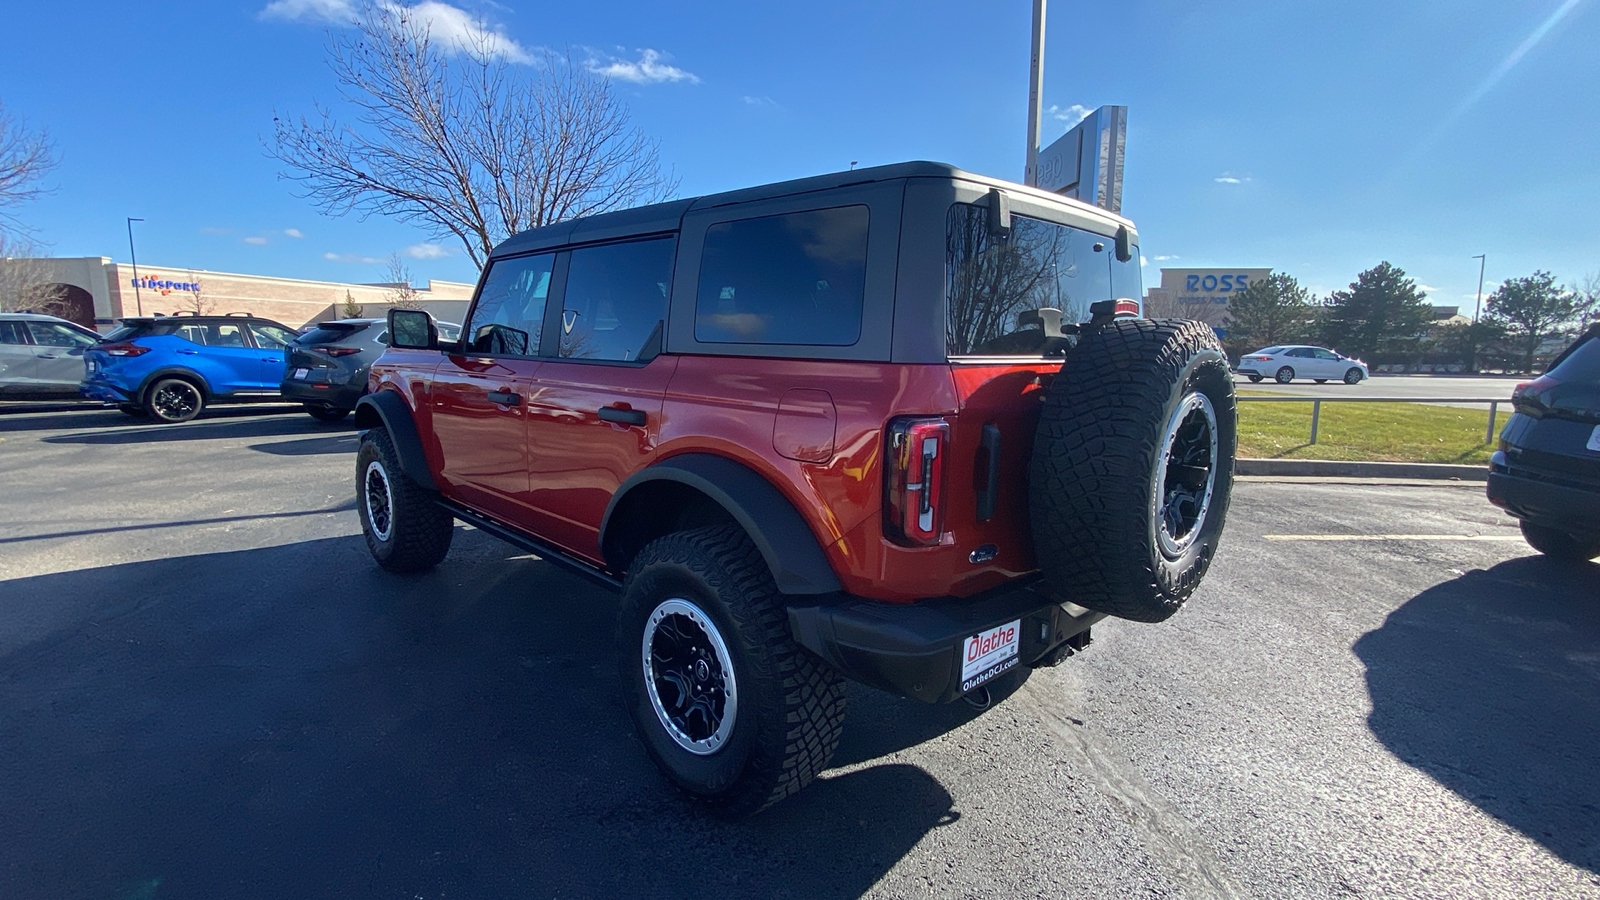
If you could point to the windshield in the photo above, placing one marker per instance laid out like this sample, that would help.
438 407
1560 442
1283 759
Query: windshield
994 285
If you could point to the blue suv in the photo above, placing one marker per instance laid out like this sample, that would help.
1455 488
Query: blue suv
171 367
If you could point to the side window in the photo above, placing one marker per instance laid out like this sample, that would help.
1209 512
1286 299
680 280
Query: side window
1325 354
509 315
616 300
271 337
11 333
1299 353
194 334
798 278
49 334
222 334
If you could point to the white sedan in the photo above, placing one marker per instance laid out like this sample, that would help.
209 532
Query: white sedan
1290 361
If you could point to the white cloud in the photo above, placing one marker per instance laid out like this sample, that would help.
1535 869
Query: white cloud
310 10
1072 115
650 68
451 25
1164 258
1230 178
426 251
355 258
1144 260
1427 289
255 241
762 100
294 233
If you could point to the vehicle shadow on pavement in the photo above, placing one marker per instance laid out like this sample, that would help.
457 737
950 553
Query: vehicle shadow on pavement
292 721
198 430
101 417
1488 683
335 443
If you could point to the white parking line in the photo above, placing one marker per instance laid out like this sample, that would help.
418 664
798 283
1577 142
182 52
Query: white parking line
1392 537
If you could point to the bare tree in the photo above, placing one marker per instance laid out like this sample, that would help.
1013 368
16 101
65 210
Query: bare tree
1587 294
460 140
26 282
397 278
198 301
25 156
1165 305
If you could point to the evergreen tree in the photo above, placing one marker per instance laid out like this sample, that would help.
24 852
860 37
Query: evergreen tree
1382 314
1273 310
1531 309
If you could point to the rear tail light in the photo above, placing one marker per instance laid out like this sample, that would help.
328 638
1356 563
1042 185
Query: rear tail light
914 480
123 348
337 351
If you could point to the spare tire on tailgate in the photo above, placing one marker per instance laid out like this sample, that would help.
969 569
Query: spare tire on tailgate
1133 466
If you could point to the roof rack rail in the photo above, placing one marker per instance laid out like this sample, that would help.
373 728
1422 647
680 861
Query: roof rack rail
184 312
243 315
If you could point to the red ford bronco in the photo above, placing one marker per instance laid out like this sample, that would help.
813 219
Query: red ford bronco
899 424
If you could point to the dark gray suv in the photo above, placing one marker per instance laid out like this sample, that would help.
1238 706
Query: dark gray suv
328 364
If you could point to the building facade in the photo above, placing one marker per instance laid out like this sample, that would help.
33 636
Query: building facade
1201 294
95 291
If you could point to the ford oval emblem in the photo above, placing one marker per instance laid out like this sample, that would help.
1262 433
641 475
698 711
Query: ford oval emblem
982 554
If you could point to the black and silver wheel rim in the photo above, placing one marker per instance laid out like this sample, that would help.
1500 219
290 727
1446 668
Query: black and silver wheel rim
1285 375
1186 475
176 400
1352 377
689 676
380 501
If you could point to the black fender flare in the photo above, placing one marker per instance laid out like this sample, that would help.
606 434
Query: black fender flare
171 372
785 540
393 413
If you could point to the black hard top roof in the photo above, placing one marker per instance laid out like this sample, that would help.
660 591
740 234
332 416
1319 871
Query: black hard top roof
661 217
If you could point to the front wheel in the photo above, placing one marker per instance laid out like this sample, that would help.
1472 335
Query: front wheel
405 530
1285 375
730 708
1353 376
1558 544
173 400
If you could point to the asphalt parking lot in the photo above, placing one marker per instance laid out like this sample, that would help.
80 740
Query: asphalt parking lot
208 690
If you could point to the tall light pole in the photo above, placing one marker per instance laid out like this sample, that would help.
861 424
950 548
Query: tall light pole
1479 305
138 301
1030 174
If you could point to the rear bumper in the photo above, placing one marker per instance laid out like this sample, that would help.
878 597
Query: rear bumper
339 396
106 391
1544 500
918 649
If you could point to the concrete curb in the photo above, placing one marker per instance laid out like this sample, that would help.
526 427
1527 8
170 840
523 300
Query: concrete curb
1330 468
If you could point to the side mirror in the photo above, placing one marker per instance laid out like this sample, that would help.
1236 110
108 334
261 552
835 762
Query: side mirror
412 329
1124 244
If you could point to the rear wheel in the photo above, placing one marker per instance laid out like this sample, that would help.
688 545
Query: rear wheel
405 530
1285 375
1133 467
1558 544
326 413
173 400
730 708
1353 376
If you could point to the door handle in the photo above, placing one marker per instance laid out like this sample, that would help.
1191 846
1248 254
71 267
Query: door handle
189 352
505 398
622 416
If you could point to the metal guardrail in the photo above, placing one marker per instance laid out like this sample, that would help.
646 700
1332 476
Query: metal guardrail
1316 406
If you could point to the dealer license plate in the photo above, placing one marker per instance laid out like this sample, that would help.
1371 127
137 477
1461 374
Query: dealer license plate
1594 439
300 374
987 654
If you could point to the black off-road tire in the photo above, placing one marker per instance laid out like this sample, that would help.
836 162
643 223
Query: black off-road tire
326 413
173 400
1284 376
1558 544
1099 513
789 706
407 532
1353 376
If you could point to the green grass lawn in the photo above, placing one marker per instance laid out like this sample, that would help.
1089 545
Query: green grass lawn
1395 432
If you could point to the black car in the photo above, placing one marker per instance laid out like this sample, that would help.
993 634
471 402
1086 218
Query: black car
1547 470
328 364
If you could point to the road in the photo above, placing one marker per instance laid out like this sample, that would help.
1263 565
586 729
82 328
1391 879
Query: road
208 690
1409 387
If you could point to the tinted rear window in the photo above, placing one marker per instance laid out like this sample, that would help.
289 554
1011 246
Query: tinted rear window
1583 364
128 331
797 278
329 333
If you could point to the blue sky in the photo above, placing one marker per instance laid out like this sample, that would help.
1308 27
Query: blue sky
1317 139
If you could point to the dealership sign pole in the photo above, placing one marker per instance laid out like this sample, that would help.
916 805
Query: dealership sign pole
137 300
1030 174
